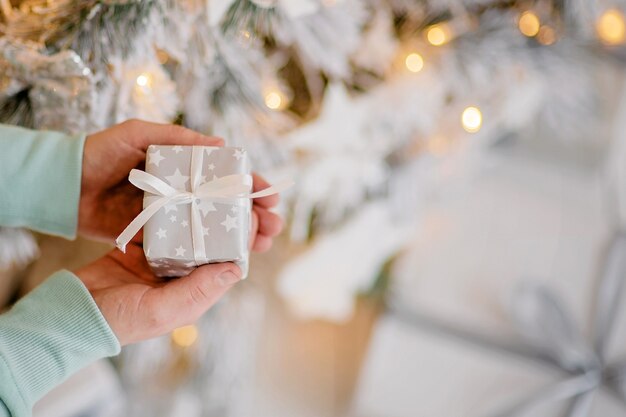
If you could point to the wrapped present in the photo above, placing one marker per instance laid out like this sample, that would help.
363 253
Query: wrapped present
197 207
551 368
507 303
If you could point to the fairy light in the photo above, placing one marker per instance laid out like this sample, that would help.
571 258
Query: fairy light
275 99
472 119
143 84
438 34
144 80
529 24
546 35
414 62
611 27
245 34
185 336
245 38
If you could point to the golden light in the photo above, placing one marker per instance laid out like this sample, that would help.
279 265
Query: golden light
143 80
275 100
245 37
611 27
546 35
414 62
245 34
529 24
162 56
472 119
185 336
438 34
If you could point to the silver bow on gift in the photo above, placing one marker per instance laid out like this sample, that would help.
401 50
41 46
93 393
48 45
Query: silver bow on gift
550 336
61 87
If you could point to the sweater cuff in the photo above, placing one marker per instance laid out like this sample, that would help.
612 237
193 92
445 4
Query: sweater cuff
48 335
41 180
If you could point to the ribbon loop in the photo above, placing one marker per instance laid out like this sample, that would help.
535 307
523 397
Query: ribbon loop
228 189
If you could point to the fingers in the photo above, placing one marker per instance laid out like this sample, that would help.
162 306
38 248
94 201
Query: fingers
259 183
262 244
134 261
185 299
270 224
144 134
138 238
254 229
265 225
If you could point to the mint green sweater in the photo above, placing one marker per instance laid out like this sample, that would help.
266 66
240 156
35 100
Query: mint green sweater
57 328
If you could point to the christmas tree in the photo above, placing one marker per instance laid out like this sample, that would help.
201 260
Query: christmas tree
371 106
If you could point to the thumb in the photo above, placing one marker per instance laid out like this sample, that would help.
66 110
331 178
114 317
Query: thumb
187 298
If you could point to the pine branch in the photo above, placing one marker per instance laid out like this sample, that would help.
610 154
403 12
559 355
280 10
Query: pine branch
93 28
245 17
106 30
17 110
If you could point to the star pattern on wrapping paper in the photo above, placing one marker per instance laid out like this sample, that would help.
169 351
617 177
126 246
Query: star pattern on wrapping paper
177 149
177 180
229 223
229 213
205 206
171 207
155 157
238 154
209 150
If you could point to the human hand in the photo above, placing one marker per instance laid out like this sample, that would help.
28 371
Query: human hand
265 224
108 202
138 306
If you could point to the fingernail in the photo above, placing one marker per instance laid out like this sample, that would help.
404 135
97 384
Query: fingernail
228 278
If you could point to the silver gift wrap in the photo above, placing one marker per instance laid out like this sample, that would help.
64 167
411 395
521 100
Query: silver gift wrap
168 242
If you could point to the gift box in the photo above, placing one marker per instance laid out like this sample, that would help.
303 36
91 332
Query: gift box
503 303
197 208
225 224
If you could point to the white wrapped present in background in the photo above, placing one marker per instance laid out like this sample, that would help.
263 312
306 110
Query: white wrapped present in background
450 345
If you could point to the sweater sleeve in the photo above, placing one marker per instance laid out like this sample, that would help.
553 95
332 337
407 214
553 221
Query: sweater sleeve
40 174
48 335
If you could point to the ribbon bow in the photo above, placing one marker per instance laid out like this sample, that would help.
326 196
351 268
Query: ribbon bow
228 189
551 337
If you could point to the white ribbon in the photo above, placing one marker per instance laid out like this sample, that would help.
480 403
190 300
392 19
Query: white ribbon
228 189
